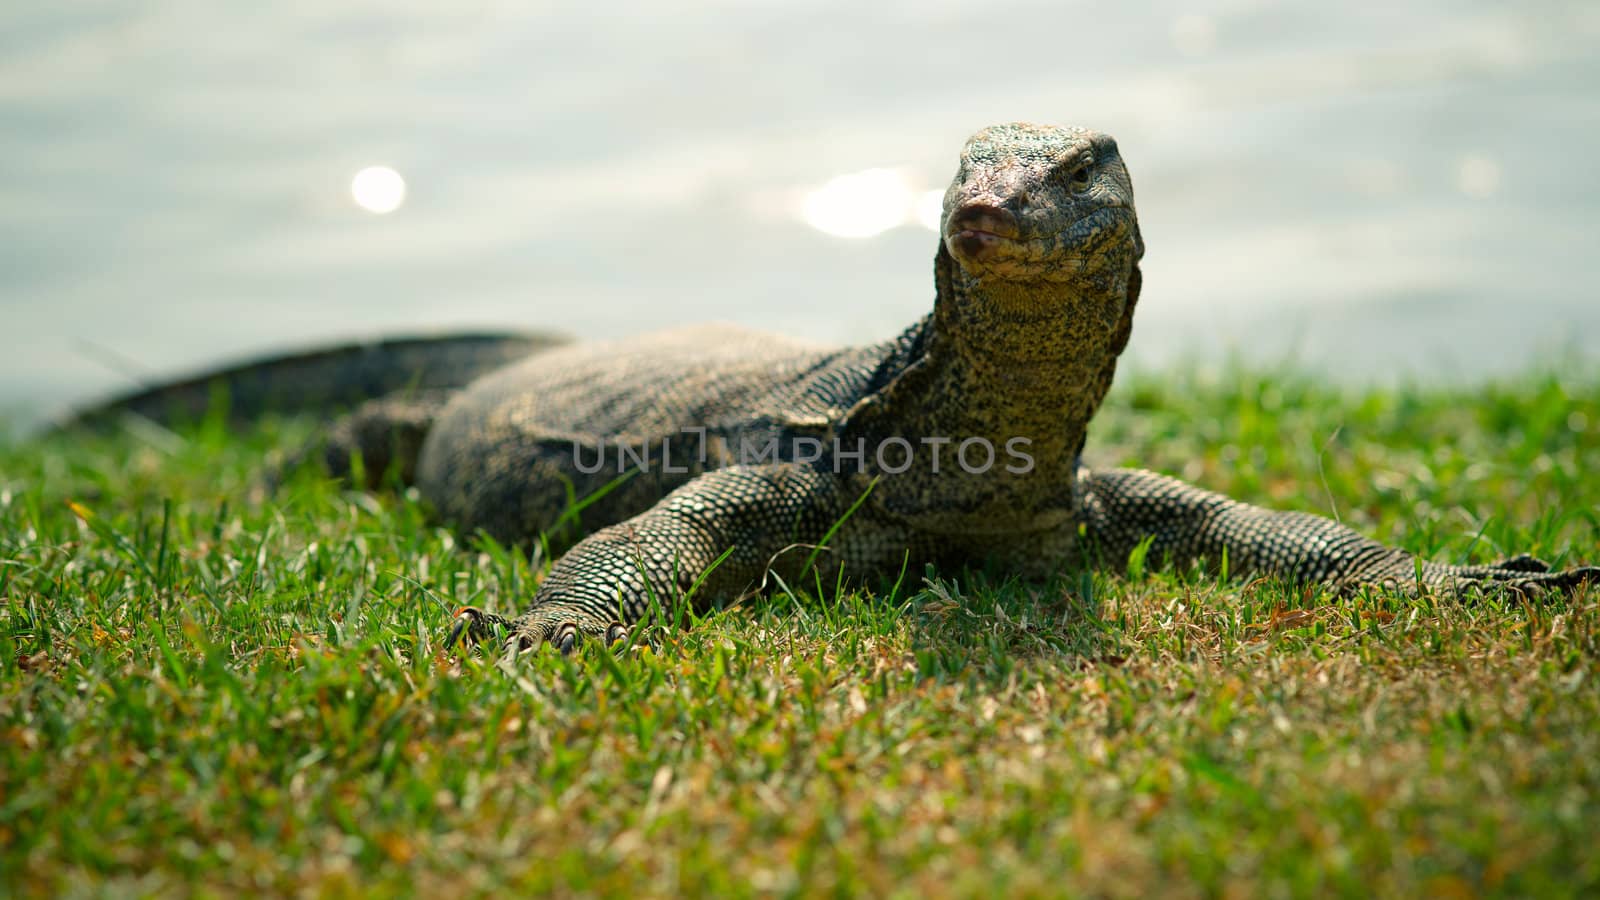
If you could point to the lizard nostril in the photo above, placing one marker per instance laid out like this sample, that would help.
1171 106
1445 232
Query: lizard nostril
977 230
983 217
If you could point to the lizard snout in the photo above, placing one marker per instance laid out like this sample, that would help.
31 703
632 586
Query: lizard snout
975 230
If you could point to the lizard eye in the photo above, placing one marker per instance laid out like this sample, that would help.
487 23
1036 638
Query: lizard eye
1078 181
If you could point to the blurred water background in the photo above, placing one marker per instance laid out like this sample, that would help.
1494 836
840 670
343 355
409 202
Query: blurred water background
1379 192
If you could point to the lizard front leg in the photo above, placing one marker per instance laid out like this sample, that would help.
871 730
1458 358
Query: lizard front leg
1124 507
717 535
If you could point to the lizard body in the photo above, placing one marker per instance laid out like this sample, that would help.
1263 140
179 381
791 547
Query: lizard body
710 458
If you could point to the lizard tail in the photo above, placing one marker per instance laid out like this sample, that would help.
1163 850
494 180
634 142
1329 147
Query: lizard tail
319 381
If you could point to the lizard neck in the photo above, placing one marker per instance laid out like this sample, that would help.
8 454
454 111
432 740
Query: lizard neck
1022 366
1007 359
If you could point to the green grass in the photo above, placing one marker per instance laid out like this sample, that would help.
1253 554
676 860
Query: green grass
205 687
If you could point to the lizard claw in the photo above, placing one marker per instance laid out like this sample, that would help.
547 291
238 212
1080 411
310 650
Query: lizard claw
1519 576
562 628
1571 579
474 626
1522 575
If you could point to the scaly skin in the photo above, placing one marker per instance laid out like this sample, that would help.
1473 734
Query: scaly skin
1037 275
323 380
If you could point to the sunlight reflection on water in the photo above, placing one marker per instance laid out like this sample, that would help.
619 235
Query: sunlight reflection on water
860 204
867 203
179 182
378 189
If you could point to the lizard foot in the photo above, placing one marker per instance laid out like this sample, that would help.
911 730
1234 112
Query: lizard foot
1527 576
1522 575
562 627
475 626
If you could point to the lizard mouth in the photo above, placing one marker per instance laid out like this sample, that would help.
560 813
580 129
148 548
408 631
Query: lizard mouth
1006 251
977 231
975 244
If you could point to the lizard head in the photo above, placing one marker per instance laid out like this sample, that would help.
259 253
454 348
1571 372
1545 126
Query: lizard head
1041 203
1037 277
